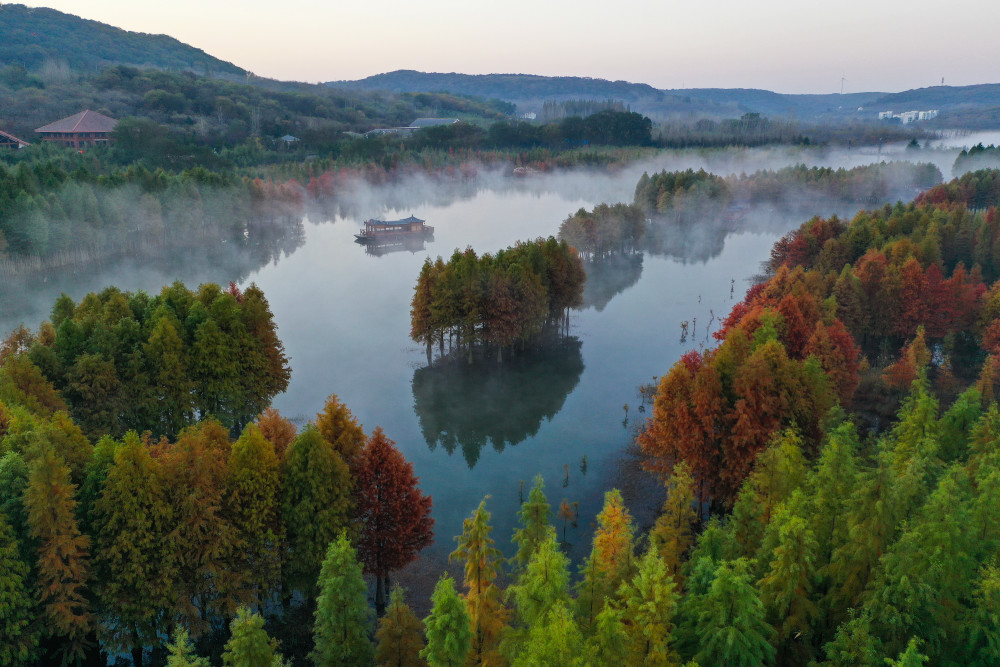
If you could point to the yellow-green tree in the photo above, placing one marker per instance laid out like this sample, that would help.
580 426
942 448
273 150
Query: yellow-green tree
673 533
487 614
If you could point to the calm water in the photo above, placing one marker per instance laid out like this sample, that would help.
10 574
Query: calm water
344 318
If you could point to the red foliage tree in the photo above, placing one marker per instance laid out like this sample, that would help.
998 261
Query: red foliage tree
834 347
394 515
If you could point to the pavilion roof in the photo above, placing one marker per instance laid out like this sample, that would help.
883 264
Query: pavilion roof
85 121
13 138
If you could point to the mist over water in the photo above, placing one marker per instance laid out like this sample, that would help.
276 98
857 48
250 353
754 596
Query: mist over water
343 316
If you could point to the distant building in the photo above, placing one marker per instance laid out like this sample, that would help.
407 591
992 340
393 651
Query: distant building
86 128
531 115
10 141
378 131
418 124
908 117
431 122
289 139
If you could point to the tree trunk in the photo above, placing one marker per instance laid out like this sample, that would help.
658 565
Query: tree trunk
380 586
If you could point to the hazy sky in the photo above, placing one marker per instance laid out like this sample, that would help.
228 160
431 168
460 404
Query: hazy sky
800 46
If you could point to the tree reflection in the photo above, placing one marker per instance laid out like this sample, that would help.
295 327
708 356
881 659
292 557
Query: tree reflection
608 277
463 406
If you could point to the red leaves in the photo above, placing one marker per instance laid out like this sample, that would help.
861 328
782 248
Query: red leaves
394 515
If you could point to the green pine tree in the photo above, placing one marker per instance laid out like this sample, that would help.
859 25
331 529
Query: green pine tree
535 516
18 633
448 635
343 615
608 644
650 604
316 505
555 640
732 627
248 645
180 651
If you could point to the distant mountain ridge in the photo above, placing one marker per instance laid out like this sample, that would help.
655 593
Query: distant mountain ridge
527 90
33 36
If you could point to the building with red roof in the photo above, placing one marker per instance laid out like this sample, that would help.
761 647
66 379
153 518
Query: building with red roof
10 141
83 129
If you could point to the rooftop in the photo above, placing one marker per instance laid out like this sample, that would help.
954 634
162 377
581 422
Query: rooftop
429 122
85 121
404 221
13 139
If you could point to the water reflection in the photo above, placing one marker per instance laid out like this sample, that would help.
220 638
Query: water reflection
218 254
463 406
384 247
608 277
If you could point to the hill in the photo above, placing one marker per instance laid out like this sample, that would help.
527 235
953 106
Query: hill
34 37
960 105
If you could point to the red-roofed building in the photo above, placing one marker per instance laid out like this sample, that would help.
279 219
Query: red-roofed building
10 141
83 129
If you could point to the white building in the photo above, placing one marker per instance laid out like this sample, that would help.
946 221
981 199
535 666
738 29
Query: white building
908 117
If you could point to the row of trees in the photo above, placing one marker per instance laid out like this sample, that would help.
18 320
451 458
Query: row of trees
790 349
862 556
110 547
496 301
852 548
796 186
54 205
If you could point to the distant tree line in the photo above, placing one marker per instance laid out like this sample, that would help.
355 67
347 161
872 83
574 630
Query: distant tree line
54 205
690 197
496 301
976 158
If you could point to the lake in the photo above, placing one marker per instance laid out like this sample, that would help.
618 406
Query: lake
343 315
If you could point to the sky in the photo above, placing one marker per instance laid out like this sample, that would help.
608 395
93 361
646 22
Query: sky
800 46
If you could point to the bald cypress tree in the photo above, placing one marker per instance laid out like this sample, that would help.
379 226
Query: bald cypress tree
673 533
63 554
133 555
316 505
180 652
482 567
732 628
448 634
535 516
252 504
18 632
343 615
399 638
611 561
248 645
554 640
394 514
650 602
339 428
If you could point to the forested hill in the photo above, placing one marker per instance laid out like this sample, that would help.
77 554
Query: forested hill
528 90
32 37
